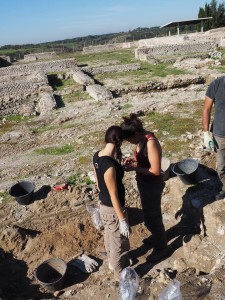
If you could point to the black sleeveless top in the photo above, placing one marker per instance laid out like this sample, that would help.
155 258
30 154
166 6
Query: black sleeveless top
101 165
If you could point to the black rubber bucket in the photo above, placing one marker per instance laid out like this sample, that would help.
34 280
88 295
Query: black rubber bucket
51 274
23 191
186 170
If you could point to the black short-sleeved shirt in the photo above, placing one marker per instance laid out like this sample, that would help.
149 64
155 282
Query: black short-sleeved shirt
216 92
101 165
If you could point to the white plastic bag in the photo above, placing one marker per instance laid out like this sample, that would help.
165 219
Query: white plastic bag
171 292
93 210
129 282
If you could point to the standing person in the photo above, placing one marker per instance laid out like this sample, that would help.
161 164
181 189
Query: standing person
147 165
215 95
109 174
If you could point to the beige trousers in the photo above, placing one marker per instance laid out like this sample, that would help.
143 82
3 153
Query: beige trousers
116 246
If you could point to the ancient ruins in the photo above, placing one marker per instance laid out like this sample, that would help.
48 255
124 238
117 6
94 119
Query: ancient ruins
56 143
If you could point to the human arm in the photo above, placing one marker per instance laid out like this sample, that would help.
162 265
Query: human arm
96 179
153 150
110 181
206 116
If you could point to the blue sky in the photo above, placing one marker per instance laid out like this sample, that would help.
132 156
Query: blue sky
35 21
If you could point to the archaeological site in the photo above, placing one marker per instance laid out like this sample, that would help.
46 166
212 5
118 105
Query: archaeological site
54 110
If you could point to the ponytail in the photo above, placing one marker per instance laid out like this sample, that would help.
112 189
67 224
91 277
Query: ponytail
114 135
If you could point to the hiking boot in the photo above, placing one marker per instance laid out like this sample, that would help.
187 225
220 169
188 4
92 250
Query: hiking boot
159 254
221 195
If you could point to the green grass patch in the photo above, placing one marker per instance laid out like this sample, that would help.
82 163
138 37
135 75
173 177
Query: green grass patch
79 179
4 197
7 122
125 56
218 68
60 150
65 83
160 69
171 146
42 129
83 160
76 96
127 105
145 74
170 122
187 118
52 127
16 118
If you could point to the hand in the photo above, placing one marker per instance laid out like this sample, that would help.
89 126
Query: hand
208 141
129 160
124 228
129 168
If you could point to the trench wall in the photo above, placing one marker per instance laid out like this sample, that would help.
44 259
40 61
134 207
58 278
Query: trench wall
44 67
36 56
109 47
111 69
142 53
22 79
20 85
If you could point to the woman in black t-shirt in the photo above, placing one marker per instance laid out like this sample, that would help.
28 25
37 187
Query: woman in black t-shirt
109 174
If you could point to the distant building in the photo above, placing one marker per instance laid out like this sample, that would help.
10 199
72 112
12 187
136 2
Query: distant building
186 22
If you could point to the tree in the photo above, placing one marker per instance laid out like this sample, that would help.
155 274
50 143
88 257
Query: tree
217 12
221 15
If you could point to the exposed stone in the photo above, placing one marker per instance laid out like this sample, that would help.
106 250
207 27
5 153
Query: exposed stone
46 104
112 69
36 56
199 254
82 78
98 92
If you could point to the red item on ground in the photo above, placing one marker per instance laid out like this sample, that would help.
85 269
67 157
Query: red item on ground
60 187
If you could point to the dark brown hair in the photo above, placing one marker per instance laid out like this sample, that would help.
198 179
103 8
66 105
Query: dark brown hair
131 125
114 135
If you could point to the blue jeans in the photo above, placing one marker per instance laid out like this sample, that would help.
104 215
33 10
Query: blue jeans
151 194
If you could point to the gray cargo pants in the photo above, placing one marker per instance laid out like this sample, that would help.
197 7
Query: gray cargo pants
220 158
116 246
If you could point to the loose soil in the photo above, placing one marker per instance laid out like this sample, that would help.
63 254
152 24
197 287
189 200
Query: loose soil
57 224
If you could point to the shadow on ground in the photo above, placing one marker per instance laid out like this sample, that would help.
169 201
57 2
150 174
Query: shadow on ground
191 215
42 193
14 281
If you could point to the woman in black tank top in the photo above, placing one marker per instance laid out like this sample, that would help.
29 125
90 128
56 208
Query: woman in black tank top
147 165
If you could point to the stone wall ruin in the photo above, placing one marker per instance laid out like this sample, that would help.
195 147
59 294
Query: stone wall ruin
21 86
37 56
111 69
24 83
109 47
162 50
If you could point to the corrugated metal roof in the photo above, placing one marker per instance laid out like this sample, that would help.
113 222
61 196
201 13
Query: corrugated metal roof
185 22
